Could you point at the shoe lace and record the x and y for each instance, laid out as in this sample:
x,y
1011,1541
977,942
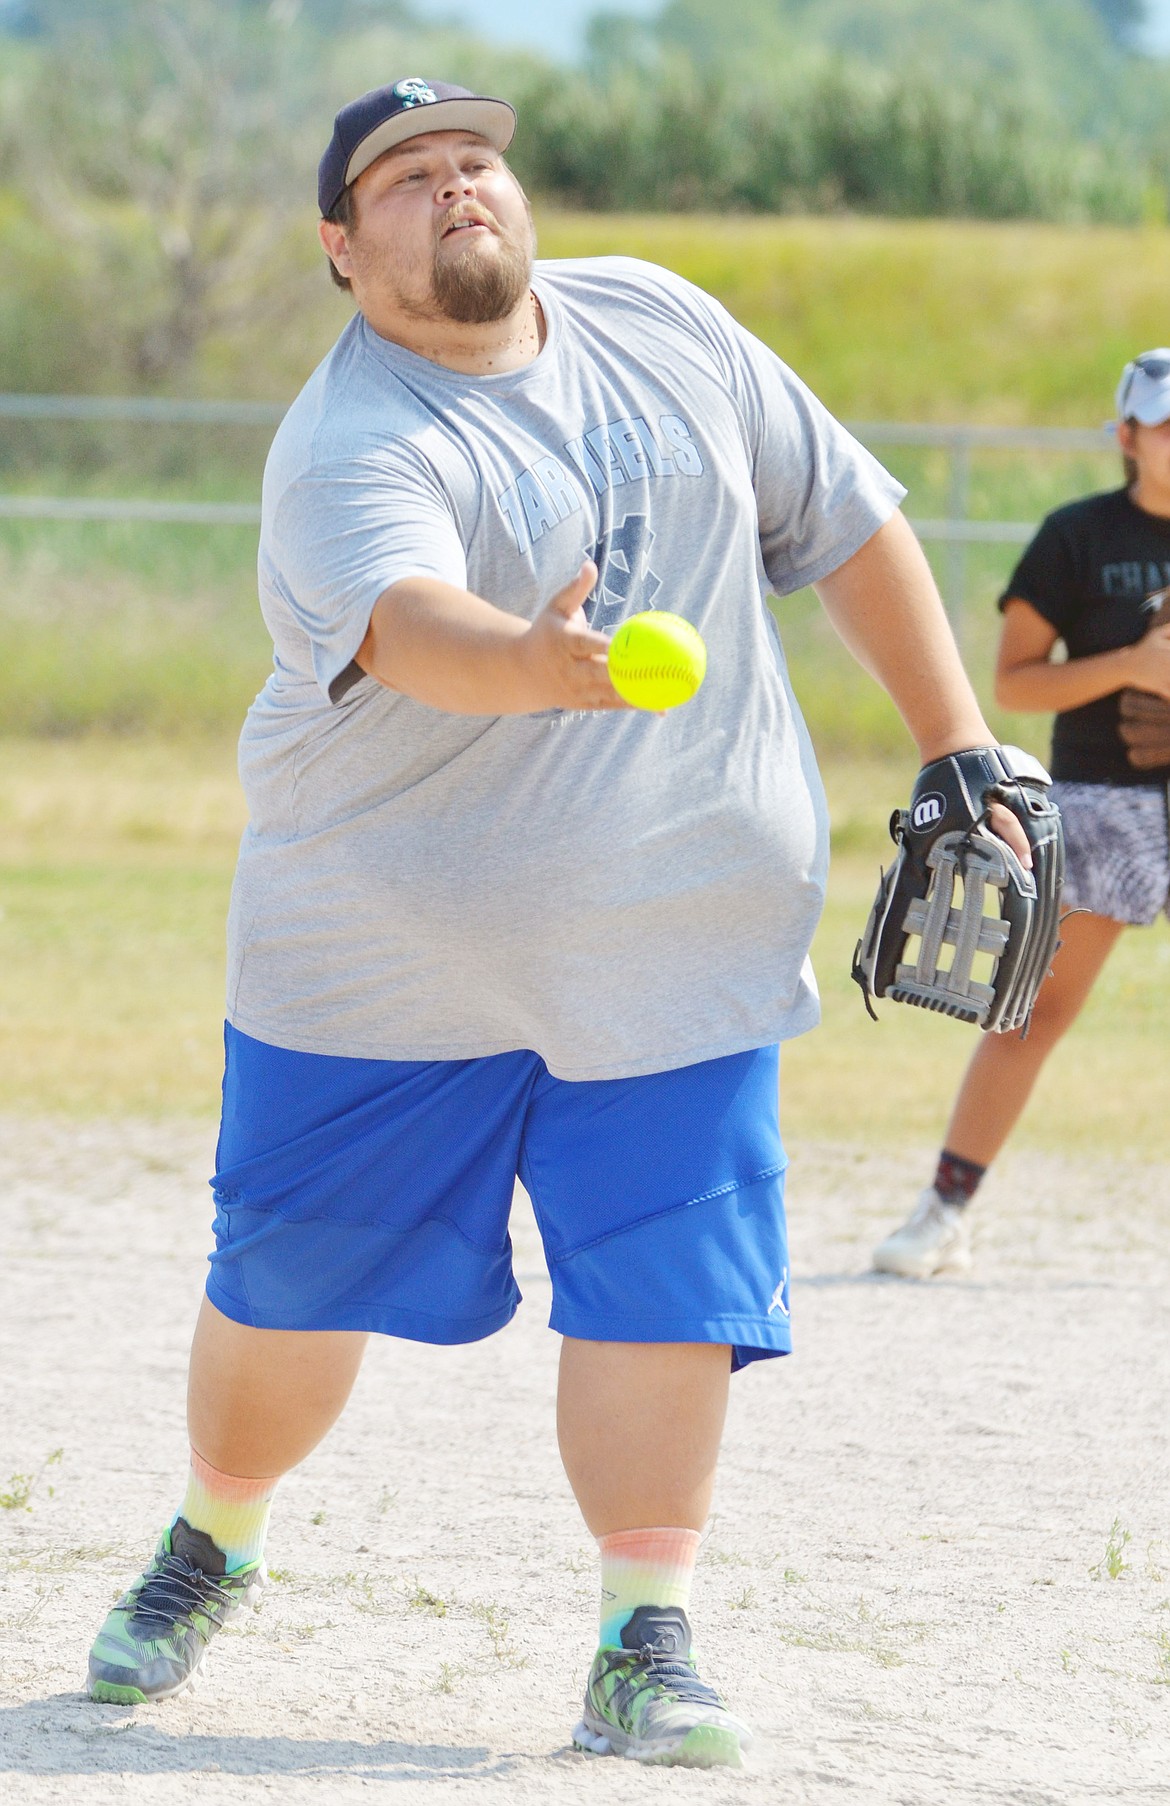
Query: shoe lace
x,y
649,1667
174,1589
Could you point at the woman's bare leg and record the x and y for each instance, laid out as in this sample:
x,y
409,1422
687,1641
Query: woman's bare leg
x,y
999,1080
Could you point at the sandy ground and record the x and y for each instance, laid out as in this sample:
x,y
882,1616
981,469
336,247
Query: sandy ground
x,y
939,1570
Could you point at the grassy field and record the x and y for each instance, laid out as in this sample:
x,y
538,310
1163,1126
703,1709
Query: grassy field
x,y
114,877
943,320
938,320
155,629
142,628
115,866
128,654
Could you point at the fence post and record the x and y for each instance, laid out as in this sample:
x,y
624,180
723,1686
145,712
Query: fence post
x,y
955,586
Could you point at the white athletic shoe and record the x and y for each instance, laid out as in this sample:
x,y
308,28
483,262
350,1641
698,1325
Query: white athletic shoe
x,y
936,1238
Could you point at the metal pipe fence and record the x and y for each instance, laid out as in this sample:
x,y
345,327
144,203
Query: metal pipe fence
x,y
956,531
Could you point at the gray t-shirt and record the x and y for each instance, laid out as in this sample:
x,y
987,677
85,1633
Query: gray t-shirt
x,y
620,892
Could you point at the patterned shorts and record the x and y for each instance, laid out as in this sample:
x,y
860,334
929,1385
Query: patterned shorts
x,y
1117,849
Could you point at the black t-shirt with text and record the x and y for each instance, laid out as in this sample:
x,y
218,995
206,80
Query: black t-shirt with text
x,y
1090,572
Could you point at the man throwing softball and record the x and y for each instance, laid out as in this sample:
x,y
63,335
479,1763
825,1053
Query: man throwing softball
x,y
488,921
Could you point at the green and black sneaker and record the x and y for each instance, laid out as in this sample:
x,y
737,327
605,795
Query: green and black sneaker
x,y
645,1700
154,1640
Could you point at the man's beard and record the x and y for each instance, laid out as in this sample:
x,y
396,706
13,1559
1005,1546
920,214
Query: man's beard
x,y
475,290
472,288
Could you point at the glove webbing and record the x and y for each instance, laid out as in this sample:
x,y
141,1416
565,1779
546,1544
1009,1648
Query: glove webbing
x,y
967,929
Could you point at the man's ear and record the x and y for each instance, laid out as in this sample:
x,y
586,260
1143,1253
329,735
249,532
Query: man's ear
x,y
1126,439
334,245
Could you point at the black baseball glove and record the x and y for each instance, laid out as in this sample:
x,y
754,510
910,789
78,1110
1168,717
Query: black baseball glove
x,y
1144,719
1004,912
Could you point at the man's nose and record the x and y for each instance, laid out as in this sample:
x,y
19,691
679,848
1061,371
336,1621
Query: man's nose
x,y
457,187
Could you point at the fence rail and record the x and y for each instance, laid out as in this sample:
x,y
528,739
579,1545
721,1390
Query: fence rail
x,y
956,530
170,514
167,410
247,514
163,410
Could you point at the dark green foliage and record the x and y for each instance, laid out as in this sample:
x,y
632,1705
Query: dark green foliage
x,y
1064,61
834,137
160,218
169,183
985,108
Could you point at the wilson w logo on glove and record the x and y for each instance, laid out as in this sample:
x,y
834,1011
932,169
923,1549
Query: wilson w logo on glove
x,y
961,892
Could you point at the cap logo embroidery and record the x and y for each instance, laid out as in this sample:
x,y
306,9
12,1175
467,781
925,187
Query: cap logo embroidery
x,y
414,92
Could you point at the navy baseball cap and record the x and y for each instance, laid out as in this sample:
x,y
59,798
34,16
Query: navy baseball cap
x,y
377,121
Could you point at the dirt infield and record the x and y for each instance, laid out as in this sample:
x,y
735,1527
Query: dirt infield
x,y
939,1570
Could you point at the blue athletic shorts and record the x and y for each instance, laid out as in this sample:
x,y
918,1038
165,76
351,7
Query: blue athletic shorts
x,y
375,1195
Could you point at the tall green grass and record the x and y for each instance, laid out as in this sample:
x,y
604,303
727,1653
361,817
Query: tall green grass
x,y
929,320
135,627
142,628
128,629
129,653
943,320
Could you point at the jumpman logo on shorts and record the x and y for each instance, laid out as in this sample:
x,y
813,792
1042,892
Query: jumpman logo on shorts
x,y
780,1297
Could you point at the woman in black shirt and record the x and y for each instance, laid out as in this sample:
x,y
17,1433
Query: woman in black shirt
x,y
1093,578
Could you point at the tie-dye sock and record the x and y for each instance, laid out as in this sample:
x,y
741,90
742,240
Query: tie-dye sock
x,y
643,1567
233,1512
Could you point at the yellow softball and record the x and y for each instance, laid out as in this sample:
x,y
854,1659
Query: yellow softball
x,y
656,660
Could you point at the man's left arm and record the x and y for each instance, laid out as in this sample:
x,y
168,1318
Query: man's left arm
x,y
828,517
884,604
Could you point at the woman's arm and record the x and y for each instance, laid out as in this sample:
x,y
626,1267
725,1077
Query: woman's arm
x,y
1026,679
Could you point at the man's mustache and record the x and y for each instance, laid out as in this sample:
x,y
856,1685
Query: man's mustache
x,y
467,210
